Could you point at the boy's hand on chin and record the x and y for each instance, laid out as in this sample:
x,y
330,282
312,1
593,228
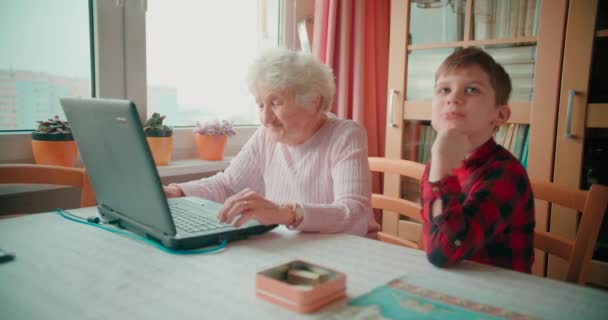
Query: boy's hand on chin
x,y
448,151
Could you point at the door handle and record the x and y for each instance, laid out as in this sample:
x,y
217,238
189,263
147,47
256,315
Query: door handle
x,y
389,109
571,94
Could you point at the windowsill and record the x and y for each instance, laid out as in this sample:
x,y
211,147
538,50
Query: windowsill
x,y
192,166
186,164
18,145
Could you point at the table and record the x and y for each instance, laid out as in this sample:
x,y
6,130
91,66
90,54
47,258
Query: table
x,y
65,270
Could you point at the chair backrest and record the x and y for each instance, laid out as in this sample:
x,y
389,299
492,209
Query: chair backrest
x,y
55,175
592,205
405,208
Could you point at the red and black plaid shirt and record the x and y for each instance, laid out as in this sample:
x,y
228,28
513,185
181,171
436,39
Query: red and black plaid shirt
x,y
488,212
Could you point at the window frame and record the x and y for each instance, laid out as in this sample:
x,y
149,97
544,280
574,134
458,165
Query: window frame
x,y
118,70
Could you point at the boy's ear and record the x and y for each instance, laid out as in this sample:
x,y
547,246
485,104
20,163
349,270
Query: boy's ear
x,y
502,116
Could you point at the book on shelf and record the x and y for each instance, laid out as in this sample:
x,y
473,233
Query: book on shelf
x,y
524,155
509,135
520,137
516,130
536,14
513,18
513,137
424,142
521,18
502,10
499,135
530,17
483,18
495,19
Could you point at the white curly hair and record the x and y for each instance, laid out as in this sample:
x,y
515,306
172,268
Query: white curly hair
x,y
299,72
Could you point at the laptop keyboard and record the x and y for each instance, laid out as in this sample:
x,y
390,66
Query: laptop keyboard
x,y
194,217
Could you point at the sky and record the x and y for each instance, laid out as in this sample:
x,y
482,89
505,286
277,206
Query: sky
x,y
203,48
61,31
193,45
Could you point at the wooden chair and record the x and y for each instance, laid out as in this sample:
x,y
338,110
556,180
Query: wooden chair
x,y
592,206
406,208
55,175
578,252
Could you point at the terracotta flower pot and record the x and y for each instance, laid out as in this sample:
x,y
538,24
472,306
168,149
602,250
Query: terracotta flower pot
x,y
54,149
161,146
211,147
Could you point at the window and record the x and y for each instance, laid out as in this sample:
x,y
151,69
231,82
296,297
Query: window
x,y
198,53
45,55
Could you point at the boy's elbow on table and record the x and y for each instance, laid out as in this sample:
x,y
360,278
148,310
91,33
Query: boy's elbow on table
x,y
440,260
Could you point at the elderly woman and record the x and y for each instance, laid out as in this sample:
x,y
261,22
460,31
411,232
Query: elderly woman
x,y
303,168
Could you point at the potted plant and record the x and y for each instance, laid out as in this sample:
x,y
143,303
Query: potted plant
x,y
211,138
53,143
160,139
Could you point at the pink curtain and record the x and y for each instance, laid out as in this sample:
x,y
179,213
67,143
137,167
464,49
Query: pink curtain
x,y
352,36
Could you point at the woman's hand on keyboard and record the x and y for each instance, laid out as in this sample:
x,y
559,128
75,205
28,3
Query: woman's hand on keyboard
x,y
248,205
173,191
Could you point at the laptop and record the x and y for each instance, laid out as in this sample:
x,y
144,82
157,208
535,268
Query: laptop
x,y
127,186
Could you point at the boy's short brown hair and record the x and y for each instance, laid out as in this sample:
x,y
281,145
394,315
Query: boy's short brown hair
x,y
473,56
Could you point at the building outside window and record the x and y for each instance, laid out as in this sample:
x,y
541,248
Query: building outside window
x,y
186,59
197,54
45,55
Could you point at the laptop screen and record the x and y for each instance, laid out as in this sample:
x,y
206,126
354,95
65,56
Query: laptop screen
x,y
115,153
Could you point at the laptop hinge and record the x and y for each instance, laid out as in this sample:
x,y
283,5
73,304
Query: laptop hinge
x,y
105,217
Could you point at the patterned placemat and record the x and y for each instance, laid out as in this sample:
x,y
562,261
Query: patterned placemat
x,y
402,300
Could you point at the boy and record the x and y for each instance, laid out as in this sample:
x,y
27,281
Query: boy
x,y
477,202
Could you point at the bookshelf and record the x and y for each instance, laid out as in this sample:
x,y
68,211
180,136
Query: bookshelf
x,y
580,159
526,36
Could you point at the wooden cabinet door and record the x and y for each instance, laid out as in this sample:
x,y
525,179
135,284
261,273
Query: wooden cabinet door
x,y
576,114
